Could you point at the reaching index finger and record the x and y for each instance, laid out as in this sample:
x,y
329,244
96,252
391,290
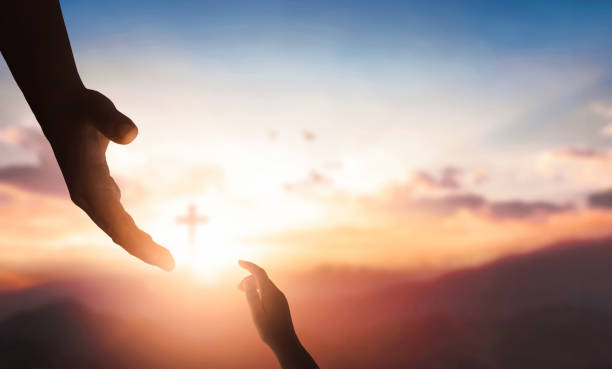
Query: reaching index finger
x,y
266,286
102,205
93,190
257,271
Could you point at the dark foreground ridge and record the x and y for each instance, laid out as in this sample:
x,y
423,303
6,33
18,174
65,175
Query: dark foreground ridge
x,y
546,309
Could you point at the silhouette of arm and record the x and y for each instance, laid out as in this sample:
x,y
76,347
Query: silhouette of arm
x,y
271,315
78,122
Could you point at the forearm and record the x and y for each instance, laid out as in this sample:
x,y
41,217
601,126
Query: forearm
x,y
35,45
293,355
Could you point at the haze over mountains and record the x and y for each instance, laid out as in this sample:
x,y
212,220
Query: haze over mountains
x,y
547,309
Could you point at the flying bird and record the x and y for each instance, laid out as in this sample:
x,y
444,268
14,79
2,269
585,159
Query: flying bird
x,y
309,135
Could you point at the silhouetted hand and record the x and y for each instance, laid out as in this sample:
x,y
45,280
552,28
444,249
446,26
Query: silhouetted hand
x,y
79,129
271,315
78,122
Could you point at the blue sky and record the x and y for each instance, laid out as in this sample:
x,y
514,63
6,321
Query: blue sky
x,y
516,96
557,26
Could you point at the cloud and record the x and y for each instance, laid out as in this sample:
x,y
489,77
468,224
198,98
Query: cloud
x,y
426,192
580,153
524,209
601,199
448,179
478,177
607,130
402,198
314,180
45,176
451,203
601,109
512,209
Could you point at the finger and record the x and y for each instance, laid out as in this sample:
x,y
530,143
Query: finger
x,y
257,271
108,213
266,285
248,284
253,298
92,189
242,285
108,120
116,127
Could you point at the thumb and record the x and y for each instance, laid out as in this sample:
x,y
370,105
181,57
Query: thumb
x,y
249,286
116,127
108,120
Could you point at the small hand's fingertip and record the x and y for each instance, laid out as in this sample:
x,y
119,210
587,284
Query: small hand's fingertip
x,y
247,283
243,263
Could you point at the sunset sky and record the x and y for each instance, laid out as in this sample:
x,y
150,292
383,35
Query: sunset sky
x,y
391,135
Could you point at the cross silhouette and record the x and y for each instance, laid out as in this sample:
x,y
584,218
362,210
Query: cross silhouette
x,y
192,219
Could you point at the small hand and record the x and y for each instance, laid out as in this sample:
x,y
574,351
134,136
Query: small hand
x,y
79,128
269,307
270,311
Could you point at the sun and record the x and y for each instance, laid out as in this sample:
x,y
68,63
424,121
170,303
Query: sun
x,y
216,250
209,260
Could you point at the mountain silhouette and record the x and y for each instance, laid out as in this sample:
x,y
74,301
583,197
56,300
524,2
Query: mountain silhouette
x,y
550,308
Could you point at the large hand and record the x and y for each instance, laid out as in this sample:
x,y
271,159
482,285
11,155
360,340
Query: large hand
x,y
270,311
79,128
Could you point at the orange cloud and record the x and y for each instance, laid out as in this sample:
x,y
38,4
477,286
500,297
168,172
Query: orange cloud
x,y
402,198
448,179
602,199
35,219
580,153
607,130
437,243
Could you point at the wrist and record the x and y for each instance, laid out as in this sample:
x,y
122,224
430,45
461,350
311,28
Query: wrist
x,y
285,345
291,354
